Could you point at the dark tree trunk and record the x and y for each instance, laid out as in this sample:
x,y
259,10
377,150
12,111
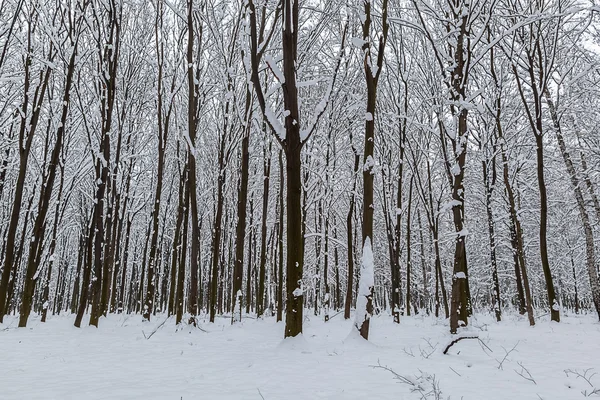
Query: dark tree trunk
x,y
372,74
177,248
240,234
163,131
349,235
537,85
489,183
408,249
583,213
27,130
192,126
183,252
250,260
216,241
263,232
280,236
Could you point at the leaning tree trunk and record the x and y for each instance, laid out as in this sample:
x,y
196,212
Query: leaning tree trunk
x,y
26,133
583,213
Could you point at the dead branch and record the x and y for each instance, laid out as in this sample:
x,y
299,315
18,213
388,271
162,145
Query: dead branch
x,y
458,339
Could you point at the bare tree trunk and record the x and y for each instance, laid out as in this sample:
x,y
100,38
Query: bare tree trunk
x,y
349,234
425,298
216,241
516,233
583,213
26,133
52,249
460,301
263,232
108,63
538,75
408,249
179,301
192,127
364,308
250,260
489,184
163,132
280,235
240,235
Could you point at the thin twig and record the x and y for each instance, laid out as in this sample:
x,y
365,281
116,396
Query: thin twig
x,y
523,372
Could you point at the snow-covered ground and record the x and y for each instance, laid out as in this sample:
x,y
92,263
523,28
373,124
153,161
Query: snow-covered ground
x,y
251,361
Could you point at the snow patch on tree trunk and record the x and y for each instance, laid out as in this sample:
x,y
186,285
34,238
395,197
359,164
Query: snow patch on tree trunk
x,y
237,309
364,307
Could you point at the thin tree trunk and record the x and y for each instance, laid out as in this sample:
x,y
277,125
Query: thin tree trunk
x,y
280,235
583,213
263,232
408,249
240,235
349,234
26,133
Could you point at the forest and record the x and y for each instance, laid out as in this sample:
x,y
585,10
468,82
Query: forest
x,y
193,161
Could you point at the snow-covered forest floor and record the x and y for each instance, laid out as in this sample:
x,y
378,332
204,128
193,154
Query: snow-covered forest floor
x,y
124,359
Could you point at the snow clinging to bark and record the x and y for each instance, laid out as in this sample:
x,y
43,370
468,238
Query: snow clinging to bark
x,y
366,283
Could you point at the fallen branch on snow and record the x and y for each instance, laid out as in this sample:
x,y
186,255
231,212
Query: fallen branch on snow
x,y
458,339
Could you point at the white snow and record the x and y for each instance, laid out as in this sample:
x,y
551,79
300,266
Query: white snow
x,y
358,42
55,360
366,283
369,164
272,118
276,71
